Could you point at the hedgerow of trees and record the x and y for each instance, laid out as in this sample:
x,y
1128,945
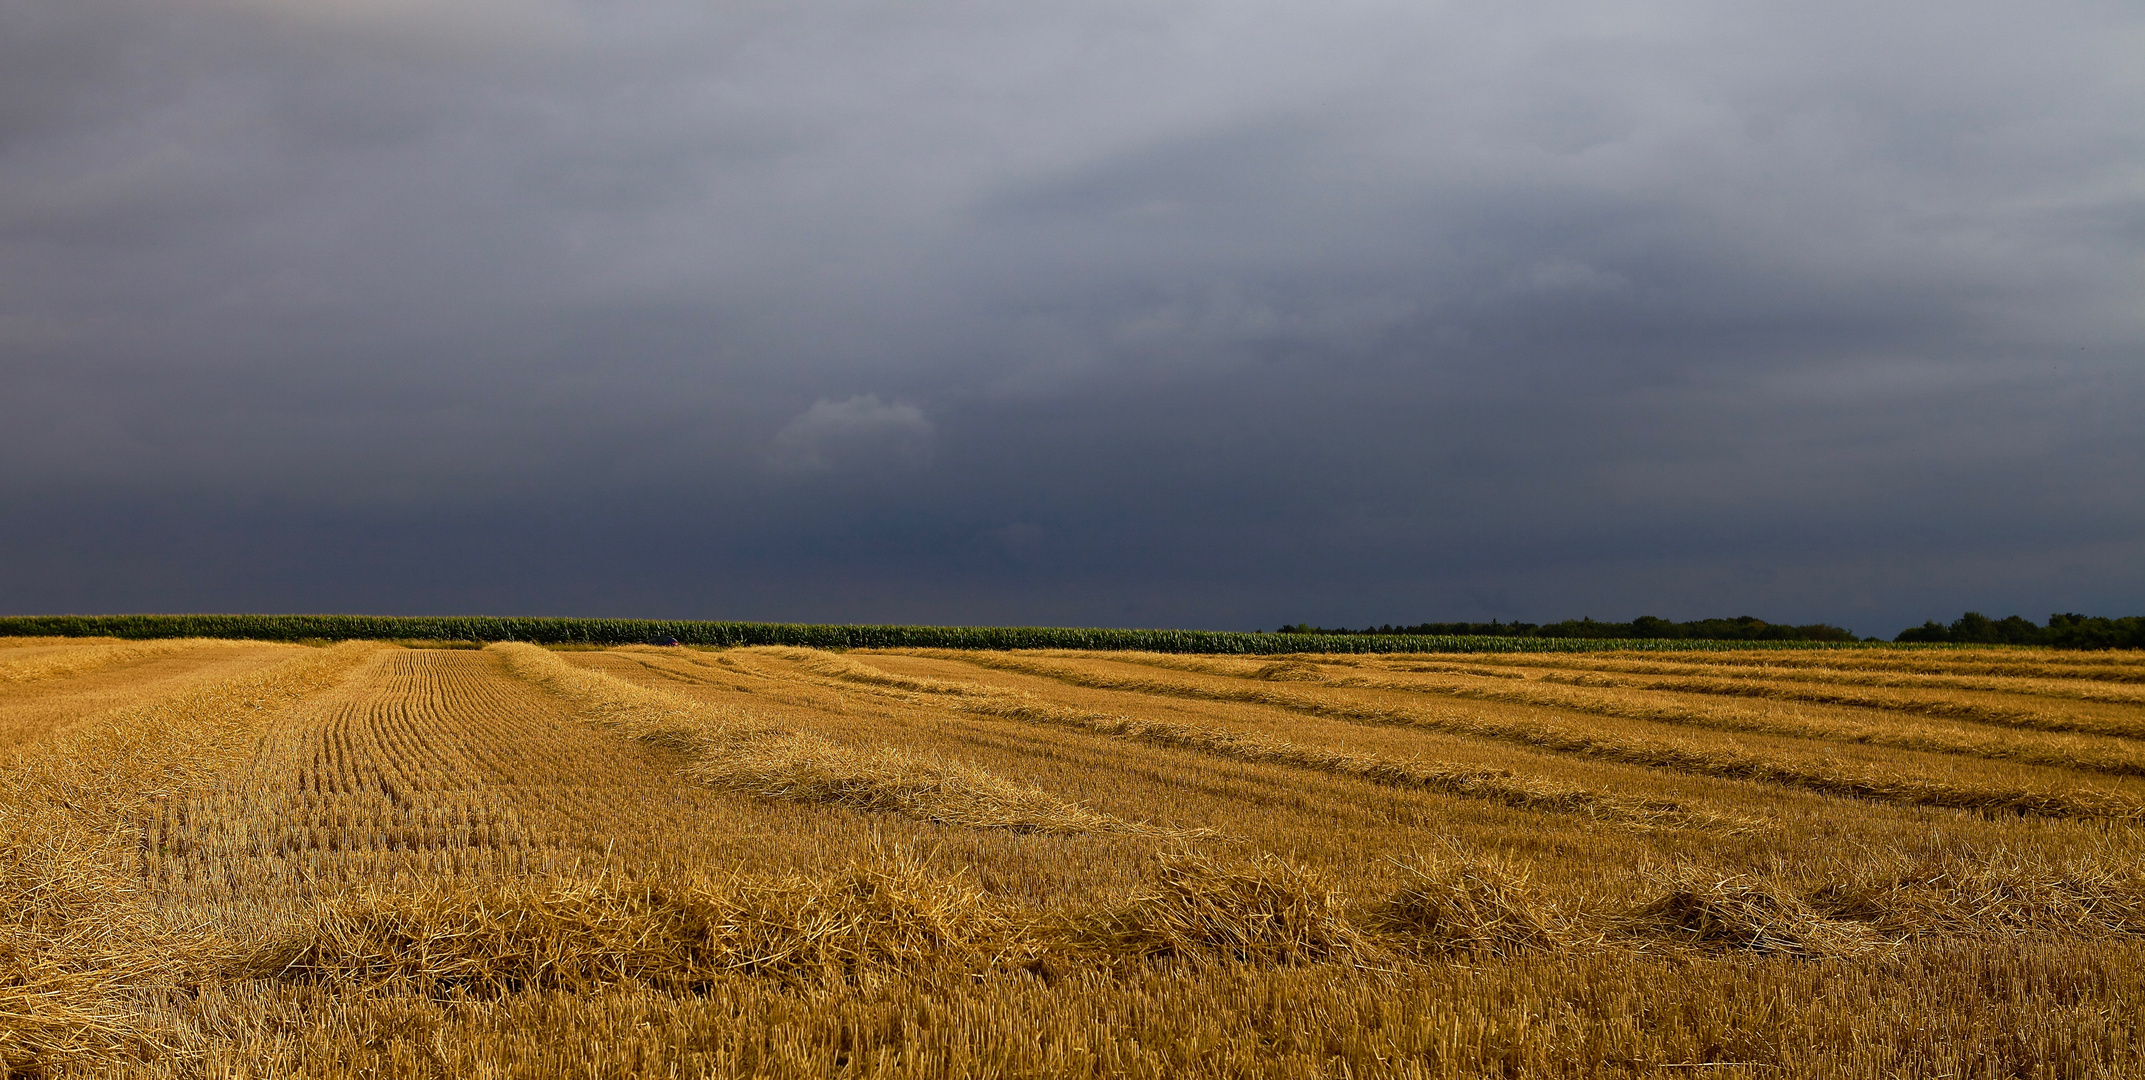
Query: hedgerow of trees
x,y
2064,631
1743,628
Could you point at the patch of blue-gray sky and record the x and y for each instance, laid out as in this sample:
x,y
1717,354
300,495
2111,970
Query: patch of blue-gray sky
x,y
1149,313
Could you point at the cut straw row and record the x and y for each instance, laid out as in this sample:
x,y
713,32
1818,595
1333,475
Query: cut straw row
x,y
1992,746
1448,778
892,918
1898,788
729,750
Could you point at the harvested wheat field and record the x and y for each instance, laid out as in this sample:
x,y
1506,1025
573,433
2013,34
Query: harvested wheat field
x,y
239,859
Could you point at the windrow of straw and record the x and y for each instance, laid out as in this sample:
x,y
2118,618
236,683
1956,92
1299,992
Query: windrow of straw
x,y
892,919
1973,712
17,642
1919,670
1500,786
856,927
869,923
1482,908
2058,687
1897,788
1992,895
75,939
801,767
1986,745
1710,911
729,750
1886,901
849,670
1266,911
1462,669
2121,666
85,658
73,944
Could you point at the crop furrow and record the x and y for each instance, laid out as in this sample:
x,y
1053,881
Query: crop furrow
x,y
2120,761
1899,789
1500,786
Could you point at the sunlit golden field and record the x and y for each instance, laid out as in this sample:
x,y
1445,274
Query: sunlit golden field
x,y
234,859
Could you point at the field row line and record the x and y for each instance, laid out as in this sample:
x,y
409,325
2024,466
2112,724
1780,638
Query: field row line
x,y
874,920
2021,687
1919,669
1990,747
1500,786
728,750
1995,715
1865,784
83,659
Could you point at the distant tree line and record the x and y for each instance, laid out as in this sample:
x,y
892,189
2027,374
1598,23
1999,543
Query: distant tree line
x,y
321,628
2065,631
1571,635
1645,627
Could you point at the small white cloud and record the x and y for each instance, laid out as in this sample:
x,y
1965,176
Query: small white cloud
x,y
862,432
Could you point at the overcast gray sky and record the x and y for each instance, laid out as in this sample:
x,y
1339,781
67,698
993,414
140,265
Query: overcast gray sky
x,y
1215,313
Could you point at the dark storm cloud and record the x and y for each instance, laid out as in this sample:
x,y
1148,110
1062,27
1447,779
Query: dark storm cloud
x,y
1164,313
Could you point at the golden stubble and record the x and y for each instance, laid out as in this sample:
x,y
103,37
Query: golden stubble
x,y
781,862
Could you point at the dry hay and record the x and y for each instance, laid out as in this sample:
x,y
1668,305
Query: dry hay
x,y
75,942
1289,671
806,768
1448,778
142,754
1993,895
1477,906
1710,911
1878,784
1943,942
85,658
868,923
827,664
1263,911
79,946
731,750
71,948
